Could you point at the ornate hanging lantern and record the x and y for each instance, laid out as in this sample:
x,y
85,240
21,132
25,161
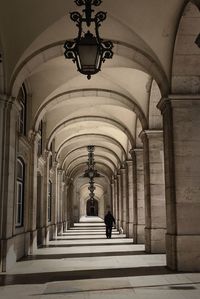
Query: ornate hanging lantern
x,y
88,50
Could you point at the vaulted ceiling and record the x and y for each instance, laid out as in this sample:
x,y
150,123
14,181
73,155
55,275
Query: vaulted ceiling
x,y
112,108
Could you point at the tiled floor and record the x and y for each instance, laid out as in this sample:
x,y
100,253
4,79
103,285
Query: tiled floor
x,y
84,264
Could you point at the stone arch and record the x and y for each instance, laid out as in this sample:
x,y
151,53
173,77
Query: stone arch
x,y
91,118
186,57
129,103
96,156
44,54
70,173
101,136
83,147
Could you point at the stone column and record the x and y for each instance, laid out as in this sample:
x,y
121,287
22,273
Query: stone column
x,y
119,205
131,199
32,213
124,184
139,219
67,211
55,199
59,201
155,209
182,172
115,199
113,195
9,112
45,197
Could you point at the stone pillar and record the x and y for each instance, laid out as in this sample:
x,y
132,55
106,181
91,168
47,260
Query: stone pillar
x,y
32,213
182,172
55,199
59,201
139,219
131,199
116,200
155,209
9,112
124,183
112,196
45,197
119,205
67,208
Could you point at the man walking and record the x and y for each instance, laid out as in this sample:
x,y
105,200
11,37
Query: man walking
x,y
109,220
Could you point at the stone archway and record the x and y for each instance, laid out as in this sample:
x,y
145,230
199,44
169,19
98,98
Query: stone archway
x,y
92,208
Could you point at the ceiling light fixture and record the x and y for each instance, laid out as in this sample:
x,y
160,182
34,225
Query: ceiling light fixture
x,y
88,50
91,172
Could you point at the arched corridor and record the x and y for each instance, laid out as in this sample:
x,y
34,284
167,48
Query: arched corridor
x,y
125,141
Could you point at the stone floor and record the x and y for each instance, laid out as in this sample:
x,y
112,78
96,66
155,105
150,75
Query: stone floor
x,y
83,264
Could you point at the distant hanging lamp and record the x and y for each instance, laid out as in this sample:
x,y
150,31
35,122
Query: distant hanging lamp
x,y
88,50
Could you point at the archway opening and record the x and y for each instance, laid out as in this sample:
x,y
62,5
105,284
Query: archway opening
x,y
92,207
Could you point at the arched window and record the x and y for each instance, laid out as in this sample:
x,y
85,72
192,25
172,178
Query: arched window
x,y
22,97
20,193
49,200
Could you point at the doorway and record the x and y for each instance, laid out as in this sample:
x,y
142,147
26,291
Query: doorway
x,y
92,207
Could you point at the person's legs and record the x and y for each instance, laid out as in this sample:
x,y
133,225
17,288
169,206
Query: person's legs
x,y
110,232
107,231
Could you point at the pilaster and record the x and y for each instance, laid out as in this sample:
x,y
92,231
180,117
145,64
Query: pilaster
x,y
119,202
131,199
155,209
9,111
139,219
124,203
46,192
115,198
182,159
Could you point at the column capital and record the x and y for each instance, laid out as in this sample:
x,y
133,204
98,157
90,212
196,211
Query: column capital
x,y
123,165
60,171
33,136
178,101
129,162
123,170
138,150
151,134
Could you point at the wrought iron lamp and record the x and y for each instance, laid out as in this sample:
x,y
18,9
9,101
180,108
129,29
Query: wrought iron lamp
x,y
91,172
88,50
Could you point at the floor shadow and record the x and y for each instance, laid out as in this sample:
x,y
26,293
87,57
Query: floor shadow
x,y
41,278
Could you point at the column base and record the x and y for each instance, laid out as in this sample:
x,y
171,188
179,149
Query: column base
x,y
155,240
31,241
183,252
40,236
130,230
60,229
47,235
138,233
124,226
55,231
119,223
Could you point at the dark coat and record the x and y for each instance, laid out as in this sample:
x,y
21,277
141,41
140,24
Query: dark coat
x,y
109,220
